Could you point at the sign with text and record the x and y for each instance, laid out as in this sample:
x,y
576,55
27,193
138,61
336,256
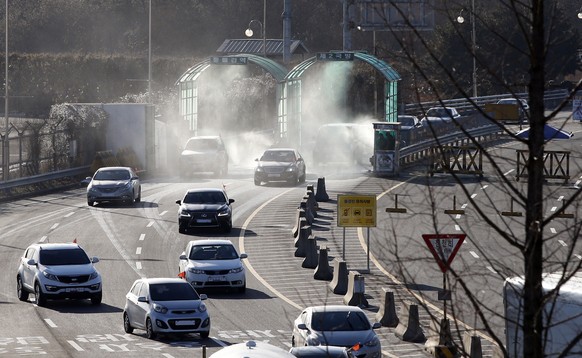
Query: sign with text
x,y
227,60
444,247
356,210
335,56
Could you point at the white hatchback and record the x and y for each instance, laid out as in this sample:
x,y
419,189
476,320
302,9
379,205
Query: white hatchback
x,y
213,263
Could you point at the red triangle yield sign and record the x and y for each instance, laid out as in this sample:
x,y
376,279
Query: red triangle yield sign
x,y
444,247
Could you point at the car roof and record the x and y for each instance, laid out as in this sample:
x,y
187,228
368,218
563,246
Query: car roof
x,y
334,308
113,168
204,190
205,137
280,150
57,246
252,349
211,242
156,280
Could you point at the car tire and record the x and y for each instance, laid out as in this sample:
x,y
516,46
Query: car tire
x,y
90,202
150,333
257,182
292,341
204,335
21,291
294,180
138,199
302,178
126,324
182,230
39,297
97,298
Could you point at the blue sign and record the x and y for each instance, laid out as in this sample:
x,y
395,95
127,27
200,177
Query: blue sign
x,y
226,60
335,56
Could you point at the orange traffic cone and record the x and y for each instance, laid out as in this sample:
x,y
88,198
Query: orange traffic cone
x,y
74,241
182,275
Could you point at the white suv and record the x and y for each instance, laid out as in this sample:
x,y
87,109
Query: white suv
x,y
58,271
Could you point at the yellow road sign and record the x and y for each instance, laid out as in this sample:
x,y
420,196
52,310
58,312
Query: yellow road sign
x,y
356,210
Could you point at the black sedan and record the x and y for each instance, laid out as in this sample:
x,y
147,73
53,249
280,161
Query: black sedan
x,y
280,164
205,208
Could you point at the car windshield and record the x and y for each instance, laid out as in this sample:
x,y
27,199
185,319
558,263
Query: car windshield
x,y
339,321
208,197
112,175
507,101
439,112
213,252
200,144
63,257
175,291
278,156
406,121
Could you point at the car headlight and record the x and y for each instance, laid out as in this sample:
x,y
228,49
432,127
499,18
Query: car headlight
x,y
195,271
127,185
202,307
236,270
50,276
373,342
93,275
160,309
184,214
223,212
259,170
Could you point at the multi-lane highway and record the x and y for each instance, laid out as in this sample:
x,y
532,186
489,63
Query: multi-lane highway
x,y
143,241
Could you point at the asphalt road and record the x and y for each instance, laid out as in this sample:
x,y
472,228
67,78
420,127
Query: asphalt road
x,y
143,241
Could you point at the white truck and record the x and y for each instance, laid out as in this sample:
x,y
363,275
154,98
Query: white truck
x,y
562,316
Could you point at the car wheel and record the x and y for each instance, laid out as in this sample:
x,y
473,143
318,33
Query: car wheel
x,y
22,293
138,199
150,333
227,227
90,202
293,180
181,230
302,178
96,298
204,335
292,341
257,182
126,324
39,297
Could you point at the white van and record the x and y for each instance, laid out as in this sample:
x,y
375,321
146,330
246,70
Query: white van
x,y
565,310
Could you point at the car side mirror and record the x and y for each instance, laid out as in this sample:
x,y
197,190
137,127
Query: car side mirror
x,y
179,202
203,296
302,326
256,159
230,201
183,257
142,299
86,181
31,262
376,325
243,256
95,259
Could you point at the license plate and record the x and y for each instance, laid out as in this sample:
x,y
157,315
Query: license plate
x,y
274,175
215,278
74,289
203,221
185,323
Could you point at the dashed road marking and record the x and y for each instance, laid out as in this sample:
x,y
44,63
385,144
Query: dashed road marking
x,y
138,251
141,237
76,346
55,225
50,322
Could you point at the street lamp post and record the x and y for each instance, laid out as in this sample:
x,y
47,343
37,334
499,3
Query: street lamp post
x,y
5,151
460,20
249,33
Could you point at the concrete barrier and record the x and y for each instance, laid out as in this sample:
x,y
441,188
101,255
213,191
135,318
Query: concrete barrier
x,y
409,328
321,194
312,203
300,214
355,295
310,260
439,335
301,249
387,312
308,213
302,223
472,344
339,282
323,270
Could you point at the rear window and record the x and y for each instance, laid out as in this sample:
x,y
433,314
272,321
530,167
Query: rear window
x,y
175,291
63,257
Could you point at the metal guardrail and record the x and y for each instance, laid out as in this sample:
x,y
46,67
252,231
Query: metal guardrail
x,y
36,179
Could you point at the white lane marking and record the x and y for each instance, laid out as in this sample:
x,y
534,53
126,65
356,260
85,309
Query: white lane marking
x,y
163,212
138,265
509,172
150,224
141,237
76,346
218,341
167,355
457,227
70,214
55,225
554,208
561,198
474,254
138,251
491,269
553,230
458,216
42,239
464,206
484,187
578,256
50,323
473,196
563,243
